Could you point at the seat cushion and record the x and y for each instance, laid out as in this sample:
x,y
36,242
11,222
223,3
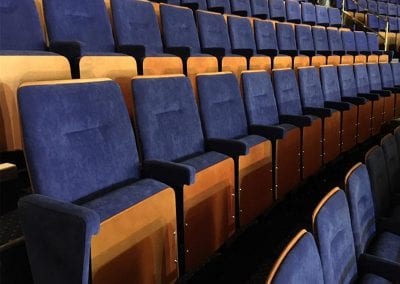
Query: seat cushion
x,y
386,246
251,140
204,160
373,279
117,200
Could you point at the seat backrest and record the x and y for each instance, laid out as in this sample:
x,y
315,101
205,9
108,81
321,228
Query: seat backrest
x,y
392,157
372,22
179,28
308,13
259,98
20,26
221,106
374,76
361,41
392,9
224,5
201,4
79,21
377,170
76,137
293,11
286,37
277,10
299,262
265,35
373,43
322,15
393,24
310,87
335,18
135,23
241,6
320,39
362,6
304,38
382,8
396,73
259,8
362,78
334,39
350,6
330,83
372,7
213,31
382,24
287,92
386,75
334,237
241,33
347,81
167,118
361,205
349,43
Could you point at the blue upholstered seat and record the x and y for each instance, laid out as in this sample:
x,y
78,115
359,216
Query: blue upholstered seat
x,y
304,40
293,11
277,10
330,83
392,157
386,76
362,6
241,34
350,6
382,8
320,40
373,43
392,9
220,6
361,42
349,43
393,24
265,37
373,22
308,15
372,7
322,15
335,18
286,39
396,73
335,41
241,7
259,9
348,85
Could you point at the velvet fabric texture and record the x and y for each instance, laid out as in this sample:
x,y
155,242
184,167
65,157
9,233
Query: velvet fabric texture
x,y
396,73
293,11
277,10
287,92
310,88
382,8
304,39
392,157
86,22
334,40
335,18
373,44
372,6
286,37
386,75
350,6
382,24
179,28
224,4
265,36
330,83
259,8
349,43
392,9
373,22
241,7
374,76
322,15
362,79
320,39
135,23
20,26
361,42
333,234
348,85
308,13
302,264
241,34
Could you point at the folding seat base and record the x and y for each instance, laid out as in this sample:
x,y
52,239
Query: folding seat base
x,y
118,68
138,245
255,179
388,108
364,122
209,212
349,129
162,65
260,63
331,137
333,60
318,60
288,162
197,65
377,116
312,148
282,61
234,64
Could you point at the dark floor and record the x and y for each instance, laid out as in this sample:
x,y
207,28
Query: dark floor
x,y
245,259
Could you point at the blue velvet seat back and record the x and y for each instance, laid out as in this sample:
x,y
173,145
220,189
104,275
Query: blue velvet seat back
x,y
386,75
167,118
265,35
372,22
202,4
221,106
334,236
302,264
350,5
334,39
310,87
20,26
361,41
213,31
287,92
286,37
335,18
362,5
372,7
277,9
135,23
373,43
220,3
374,76
308,13
242,6
382,8
86,21
241,33
349,43
304,38
359,195
293,11
259,98
78,138
330,83
362,79
320,39
392,157
382,24
259,7
347,81
322,15
393,25
396,73
392,9
179,28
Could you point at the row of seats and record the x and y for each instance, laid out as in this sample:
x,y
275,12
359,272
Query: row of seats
x,y
221,165
373,7
355,238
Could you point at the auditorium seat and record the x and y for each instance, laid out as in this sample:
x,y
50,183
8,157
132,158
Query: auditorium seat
x,y
173,151
382,8
373,45
219,6
243,43
350,6
23,57
336,46
321,45
259,9
348,90
392,157
241,8
322,15
372,22
308,15
293,11
183,40
277,10
349,47
334,237
361,40
93,212
386,203
305,44
335,18
349,121
363,88
214,38
267,43
226,131
263,120
372,7
299,261
290,111
313,103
